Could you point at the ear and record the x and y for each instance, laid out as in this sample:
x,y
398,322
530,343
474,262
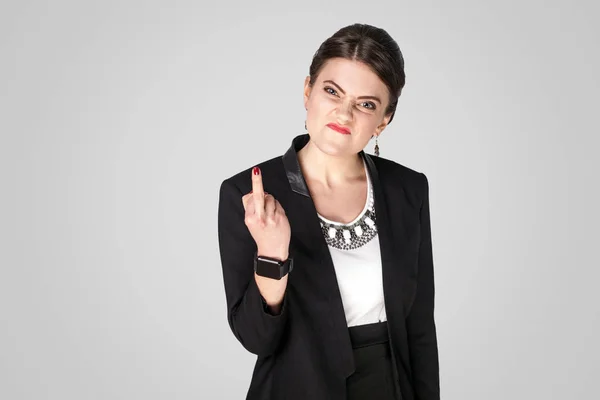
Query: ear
x,y
383,124
307,90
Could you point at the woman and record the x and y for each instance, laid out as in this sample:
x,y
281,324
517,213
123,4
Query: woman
x,y
326,251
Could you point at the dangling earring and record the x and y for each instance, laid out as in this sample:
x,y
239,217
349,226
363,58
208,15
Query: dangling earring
x,y
376,146
305,125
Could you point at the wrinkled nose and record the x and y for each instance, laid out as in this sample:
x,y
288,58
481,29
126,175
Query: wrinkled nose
x,y
344,114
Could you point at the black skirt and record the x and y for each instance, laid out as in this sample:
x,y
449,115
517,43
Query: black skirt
x,y
373,378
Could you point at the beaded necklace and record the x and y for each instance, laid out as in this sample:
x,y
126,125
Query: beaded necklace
x,y
355,234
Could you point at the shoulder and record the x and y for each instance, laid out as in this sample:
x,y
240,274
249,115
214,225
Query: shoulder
x,y
394,174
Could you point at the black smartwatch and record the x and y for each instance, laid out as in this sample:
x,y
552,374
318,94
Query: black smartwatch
x,y
272,267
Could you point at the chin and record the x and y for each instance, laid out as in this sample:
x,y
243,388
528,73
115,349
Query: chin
x,y
335,146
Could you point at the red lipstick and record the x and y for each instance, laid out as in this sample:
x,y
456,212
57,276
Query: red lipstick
x,y
338,128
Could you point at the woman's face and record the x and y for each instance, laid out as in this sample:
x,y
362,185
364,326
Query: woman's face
x,y
349,94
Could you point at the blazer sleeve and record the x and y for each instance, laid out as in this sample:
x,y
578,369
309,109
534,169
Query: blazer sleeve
x,y
253,325
422,340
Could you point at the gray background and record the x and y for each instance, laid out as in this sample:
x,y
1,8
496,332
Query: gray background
x,y
120,119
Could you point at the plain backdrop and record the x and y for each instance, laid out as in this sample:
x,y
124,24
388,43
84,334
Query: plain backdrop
x,y
120,119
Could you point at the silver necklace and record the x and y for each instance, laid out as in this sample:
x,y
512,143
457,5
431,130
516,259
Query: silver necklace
x,y
355,235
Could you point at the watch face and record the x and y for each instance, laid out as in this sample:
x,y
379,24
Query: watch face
x,y
268,268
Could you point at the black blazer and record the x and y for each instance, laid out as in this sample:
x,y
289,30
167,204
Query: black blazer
x,y
305,351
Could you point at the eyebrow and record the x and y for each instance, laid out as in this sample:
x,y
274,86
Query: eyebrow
x,y
359,97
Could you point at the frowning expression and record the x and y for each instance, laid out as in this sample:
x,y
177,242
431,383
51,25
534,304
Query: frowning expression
x,y
345,106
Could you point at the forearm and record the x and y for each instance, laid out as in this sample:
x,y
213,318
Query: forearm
x,y
423,349
420,324
257,324
272,290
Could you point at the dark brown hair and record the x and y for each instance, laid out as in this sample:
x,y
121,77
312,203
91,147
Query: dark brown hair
x,y
370,45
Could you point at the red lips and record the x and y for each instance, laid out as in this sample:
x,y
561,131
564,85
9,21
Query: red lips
x,y
338,128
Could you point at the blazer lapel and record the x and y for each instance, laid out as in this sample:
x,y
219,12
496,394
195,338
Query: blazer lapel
x,y
398,263
308,239
396,258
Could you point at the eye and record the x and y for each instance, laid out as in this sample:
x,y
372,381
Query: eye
x,y
371,106
327,89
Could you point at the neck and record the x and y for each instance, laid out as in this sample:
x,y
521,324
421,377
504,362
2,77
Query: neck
x,y
330,171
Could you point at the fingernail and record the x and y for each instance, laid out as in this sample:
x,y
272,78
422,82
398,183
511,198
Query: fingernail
x,y
256,170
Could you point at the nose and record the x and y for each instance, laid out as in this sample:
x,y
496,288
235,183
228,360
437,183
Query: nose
x,y
344,113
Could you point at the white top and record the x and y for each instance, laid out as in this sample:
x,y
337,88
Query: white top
x,y
358,269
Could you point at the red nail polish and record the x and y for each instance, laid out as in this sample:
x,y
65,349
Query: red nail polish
x,y
256,170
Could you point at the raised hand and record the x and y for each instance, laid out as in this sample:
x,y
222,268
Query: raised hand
x,y
270,229
266,220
